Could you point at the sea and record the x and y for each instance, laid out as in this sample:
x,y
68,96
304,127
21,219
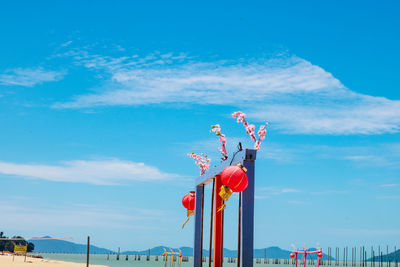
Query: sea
x,y
111,261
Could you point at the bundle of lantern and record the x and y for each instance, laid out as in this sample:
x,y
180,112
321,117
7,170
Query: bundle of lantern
x,y
234,179
188,202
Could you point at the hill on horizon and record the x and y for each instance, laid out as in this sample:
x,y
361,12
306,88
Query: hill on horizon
x,y
62,246
391,257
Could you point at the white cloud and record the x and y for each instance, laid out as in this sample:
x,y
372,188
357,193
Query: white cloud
x,y
291,93
75,216
29,77
389,185
266,192
296,202
102,172
366,232
377,155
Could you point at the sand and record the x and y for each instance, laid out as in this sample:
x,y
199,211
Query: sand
x,y
7,261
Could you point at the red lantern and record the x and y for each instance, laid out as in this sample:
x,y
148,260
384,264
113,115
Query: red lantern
x,y
292,255
320,255
235,178
188,201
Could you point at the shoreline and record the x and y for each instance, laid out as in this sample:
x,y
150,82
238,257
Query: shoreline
x,y
7,261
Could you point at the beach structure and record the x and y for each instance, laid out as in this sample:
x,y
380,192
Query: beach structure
x,y
245,158
173,256
294,255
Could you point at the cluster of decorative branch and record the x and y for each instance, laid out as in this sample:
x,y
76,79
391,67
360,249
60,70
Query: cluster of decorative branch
x,y
222,138
202,161
250,129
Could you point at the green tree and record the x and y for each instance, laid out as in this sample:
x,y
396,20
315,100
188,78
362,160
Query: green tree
x,y
8,245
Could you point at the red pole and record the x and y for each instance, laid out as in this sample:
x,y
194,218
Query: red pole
x,y
217,261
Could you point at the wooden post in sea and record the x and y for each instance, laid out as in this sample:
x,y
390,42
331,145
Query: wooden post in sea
x,y
387,257
363,256
87,251
379,253
118,254
372,256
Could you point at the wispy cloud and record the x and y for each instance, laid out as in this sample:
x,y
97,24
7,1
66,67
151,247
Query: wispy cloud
x,y
366,232
294,95
383,155
102,172
29,76
75,216
296,202
266,192
389,185
389,197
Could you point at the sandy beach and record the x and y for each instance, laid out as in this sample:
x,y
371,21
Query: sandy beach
x,y
7,261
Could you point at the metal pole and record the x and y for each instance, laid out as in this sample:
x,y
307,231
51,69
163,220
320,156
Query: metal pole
x,y
201,229
240,228
217,259
87,251
247,240
211,223
198,245
222,235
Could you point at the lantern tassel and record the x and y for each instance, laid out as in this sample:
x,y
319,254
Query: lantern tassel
x,y
183,225
225,193
188,214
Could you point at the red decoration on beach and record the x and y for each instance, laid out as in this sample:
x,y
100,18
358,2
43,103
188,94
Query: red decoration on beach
x,y
292,255
235,178
320,255
188,201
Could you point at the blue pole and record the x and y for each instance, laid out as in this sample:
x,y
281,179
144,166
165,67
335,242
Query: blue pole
x,y
198,227
247,231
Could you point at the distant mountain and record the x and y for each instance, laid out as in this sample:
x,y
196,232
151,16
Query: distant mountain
x,y
62,246
390,257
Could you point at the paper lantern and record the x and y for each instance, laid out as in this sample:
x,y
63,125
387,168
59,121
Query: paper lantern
x,y
292,255
235,178
320,255
188,201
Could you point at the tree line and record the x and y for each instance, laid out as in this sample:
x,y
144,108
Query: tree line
x,y
8,245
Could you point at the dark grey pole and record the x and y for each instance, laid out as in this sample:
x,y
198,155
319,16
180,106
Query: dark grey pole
x,y
87,251
198,245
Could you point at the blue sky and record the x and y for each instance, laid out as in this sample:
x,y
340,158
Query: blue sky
x,y
100,103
